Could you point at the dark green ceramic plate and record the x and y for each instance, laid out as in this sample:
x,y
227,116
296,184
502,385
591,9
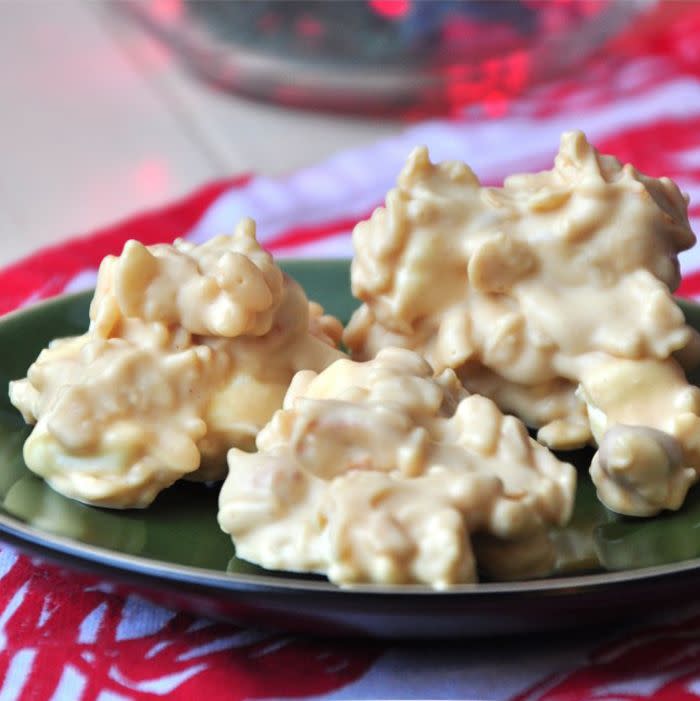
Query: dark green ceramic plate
x,y
174,552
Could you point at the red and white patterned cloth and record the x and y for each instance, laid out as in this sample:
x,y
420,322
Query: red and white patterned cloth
x,y
69,637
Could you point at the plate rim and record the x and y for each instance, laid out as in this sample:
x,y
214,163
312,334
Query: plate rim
x,y
86,553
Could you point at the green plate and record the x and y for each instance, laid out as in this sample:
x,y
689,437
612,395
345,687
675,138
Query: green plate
x,y
174,552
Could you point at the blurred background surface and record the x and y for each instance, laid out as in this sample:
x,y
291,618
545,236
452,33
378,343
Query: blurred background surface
x,y
109,108
100,120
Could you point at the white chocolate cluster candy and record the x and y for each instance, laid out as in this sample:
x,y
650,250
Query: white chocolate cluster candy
x,y
526,291
143,398
381,472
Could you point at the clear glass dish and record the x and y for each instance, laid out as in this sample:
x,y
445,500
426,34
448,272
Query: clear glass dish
x,y
384,56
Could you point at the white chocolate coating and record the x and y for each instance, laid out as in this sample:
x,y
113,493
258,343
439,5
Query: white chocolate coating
x,y
529,290
380,472
140,400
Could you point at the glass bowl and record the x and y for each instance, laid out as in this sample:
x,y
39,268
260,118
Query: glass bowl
x,y
385,56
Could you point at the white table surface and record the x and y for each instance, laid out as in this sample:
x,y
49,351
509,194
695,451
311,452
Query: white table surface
x,y
98,121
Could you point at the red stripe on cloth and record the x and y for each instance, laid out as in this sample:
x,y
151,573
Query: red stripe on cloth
x,y
690,285
46,272
658,148
308,234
